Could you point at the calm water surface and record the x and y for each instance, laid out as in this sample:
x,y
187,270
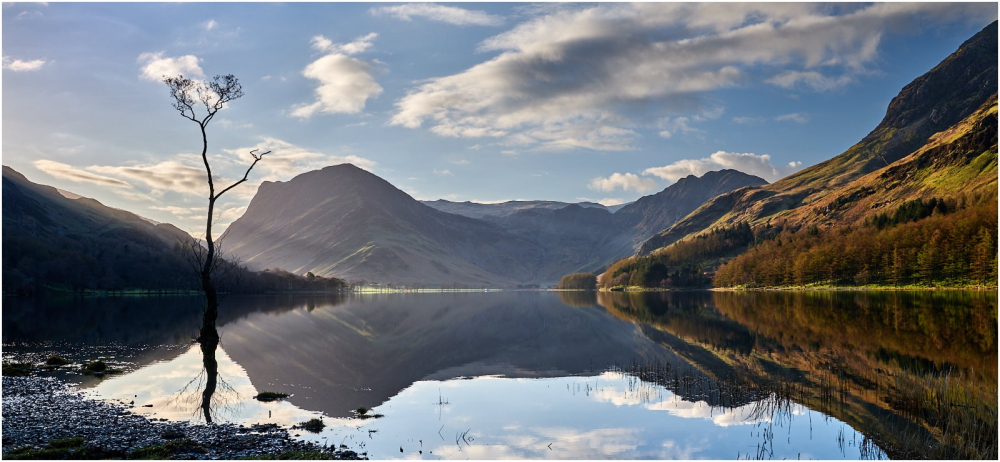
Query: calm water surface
x,y
536,374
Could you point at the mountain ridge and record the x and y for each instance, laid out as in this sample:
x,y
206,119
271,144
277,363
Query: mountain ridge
x,y
349,223
908,125
79,243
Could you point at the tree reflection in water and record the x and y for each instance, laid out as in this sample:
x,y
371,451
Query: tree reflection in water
x,y
207,393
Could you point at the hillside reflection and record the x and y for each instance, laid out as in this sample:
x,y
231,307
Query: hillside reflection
x,y
888,363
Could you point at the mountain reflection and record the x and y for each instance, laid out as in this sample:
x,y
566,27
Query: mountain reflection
x,y
366,349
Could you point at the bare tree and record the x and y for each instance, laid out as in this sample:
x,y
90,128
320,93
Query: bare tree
x,y
189,96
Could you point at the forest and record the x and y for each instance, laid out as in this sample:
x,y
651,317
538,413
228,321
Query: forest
x,y
78,264
681,264
932,243
578,281
924,242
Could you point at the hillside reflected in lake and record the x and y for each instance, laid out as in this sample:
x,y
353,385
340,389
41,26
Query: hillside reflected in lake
x,y
626,362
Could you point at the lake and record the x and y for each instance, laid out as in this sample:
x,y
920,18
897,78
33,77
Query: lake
x,y
560,375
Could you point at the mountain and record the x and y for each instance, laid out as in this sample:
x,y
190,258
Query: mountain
x,y
345,222
938,101
502,209
650,215
78,243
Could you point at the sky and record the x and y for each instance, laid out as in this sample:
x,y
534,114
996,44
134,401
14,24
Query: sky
x,y
483,102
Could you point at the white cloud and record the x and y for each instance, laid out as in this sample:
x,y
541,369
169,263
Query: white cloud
x,y
444,172
18,65
610,201
155,66
210,24
345,83
68,172
796,117
682,168
577,77
442,13
359,45
288,160
625,182
745,162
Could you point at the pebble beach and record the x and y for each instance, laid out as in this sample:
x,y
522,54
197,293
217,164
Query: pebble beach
x,y
38,410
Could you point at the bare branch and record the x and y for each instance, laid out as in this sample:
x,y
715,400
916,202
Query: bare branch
x,y
256,158
180,90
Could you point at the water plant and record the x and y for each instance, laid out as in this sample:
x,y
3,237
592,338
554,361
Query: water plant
x,y
298,455
16,369
270,396
169,450
363,413
56,360
312,425
97,368
68,448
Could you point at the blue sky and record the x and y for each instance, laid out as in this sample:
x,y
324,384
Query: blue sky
x,y
462,101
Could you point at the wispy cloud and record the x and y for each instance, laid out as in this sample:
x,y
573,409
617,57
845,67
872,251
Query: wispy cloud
x,y
744,120
574,77
68,172
441,13
796,117
812,80
181,212
168,175
346,83
444,172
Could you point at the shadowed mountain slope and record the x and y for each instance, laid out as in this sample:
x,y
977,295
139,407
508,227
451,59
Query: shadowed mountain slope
x,y
346,222
52,240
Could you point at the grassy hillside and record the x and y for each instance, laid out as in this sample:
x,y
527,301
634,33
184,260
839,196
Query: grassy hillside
x,y
853,234
938,141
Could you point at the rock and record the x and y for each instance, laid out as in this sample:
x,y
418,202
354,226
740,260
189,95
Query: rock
x,y
39,409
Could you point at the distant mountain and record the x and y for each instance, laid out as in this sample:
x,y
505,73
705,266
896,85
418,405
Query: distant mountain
x,y
650,215
937,101
51,240
345,222
502,209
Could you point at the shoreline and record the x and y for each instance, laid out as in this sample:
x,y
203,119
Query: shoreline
x,y
801,289
45,412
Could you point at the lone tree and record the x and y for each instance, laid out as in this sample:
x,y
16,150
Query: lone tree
x,y
188,96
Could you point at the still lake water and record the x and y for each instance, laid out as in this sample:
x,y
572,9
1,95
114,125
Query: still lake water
x,y
567,375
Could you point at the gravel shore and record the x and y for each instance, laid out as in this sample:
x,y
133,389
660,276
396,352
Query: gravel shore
x,y
37,410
